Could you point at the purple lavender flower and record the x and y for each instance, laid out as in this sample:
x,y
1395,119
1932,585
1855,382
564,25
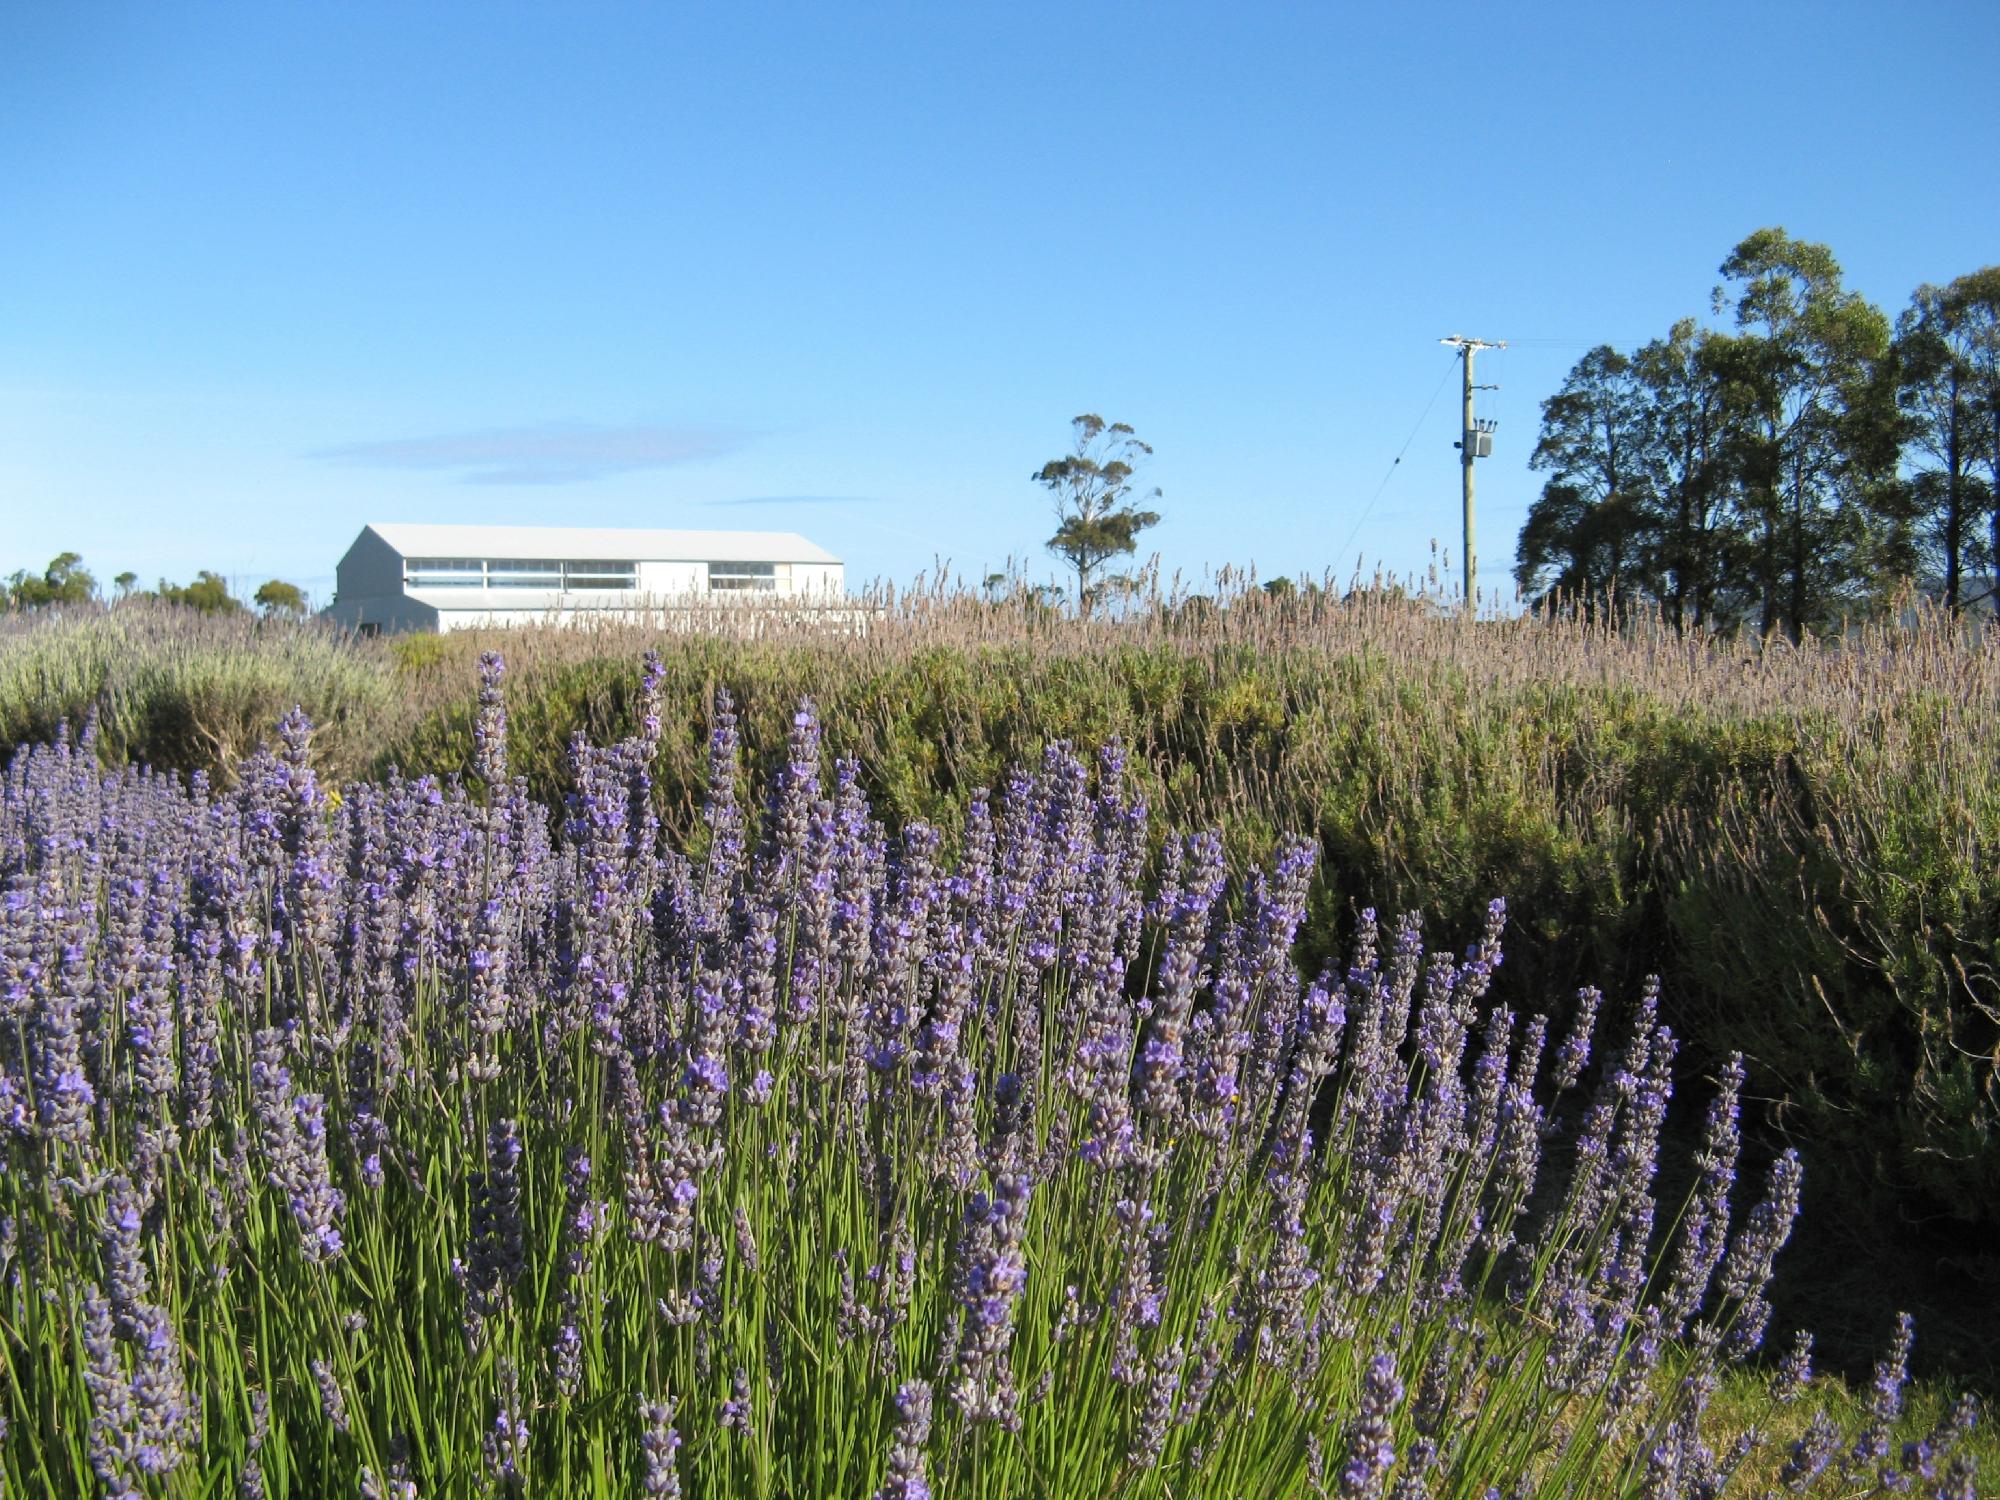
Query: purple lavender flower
x,y
422,957
1155,1416
1960,1480
506,1443
757,968
905,1478
1195,878
1810,1454
149,1013
1276,1320
721,813
498,1255
1574,1053
1746,1270
63,1091
658,1444
250,1483
795,792
582,1216
489,725
489,965
1632,1377
113,1415
292,1132
1370,1437
1871,1450
165,1425
1412,1480
1706,1226
708,1074
332,1399
738,1413
991,1274
1795,1370
127,1280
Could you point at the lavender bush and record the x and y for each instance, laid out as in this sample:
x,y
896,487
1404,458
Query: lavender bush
x,y
408,1140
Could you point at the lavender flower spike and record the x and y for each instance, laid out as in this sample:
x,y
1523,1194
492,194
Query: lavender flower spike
x,y
1370,1447
658,1445
905,1479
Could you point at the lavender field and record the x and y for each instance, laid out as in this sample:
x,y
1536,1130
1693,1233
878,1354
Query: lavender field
x,y
411,1138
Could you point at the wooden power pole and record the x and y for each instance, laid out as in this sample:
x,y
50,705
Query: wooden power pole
x,y
1475,442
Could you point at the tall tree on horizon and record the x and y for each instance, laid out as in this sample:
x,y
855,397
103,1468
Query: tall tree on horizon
x,y
1938,389
279,599
1973,302
1092,486
1688,454
1581,536
1808,354
1641,502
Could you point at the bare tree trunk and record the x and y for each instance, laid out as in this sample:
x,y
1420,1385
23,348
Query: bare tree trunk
x,y
1796,610
1954,505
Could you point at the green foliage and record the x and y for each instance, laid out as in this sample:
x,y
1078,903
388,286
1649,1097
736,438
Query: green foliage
x,y
1798,841
185,691
276,597
1769,877
1752,476
209,593
1947,373
1092,486
1581,536
64,581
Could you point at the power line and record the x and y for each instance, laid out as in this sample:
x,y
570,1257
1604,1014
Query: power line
x,y
1566,343
1390,473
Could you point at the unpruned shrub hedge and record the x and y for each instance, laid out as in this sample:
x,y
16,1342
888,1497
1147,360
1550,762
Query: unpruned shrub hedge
x,y
1797,839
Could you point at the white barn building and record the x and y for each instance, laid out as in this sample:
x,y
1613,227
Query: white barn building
x,y
406,577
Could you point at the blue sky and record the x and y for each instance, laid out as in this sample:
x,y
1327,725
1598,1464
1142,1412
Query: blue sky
x,y
269,271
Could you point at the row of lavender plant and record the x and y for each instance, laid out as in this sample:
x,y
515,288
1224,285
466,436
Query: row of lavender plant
x,y
405,1140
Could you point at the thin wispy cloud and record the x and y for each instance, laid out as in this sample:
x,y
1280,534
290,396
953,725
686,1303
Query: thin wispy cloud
x,y
548,453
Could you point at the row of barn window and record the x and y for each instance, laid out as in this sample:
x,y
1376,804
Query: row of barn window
x,y
565,574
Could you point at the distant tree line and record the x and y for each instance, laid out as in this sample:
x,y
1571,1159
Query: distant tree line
x,y
1796,468
66,581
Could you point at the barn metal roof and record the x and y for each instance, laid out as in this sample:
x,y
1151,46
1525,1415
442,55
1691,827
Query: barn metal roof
x,y
625,544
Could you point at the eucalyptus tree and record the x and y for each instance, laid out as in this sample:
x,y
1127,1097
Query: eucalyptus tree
x,y
64,581
1688,448
1582,538
209,593
279,599
1938,389
1819,445
1093,486
1972,303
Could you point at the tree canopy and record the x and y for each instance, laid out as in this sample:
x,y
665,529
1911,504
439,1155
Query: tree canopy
x,y
67,581
1092,485
1784,472
64,581
276,597
208,593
